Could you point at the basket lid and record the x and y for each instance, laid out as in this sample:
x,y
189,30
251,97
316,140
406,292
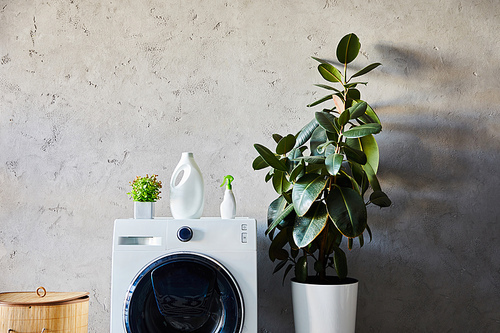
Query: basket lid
x,y
39,297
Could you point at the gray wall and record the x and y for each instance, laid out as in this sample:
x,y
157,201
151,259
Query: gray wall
x,y
93,93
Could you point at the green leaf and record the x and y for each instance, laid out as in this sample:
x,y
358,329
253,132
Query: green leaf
x,y
370,116
340,263
354,84
348,48
367,69
344,117
285,144
333,163
320,60
327,121
296,172
277,137
358,109
269,175
280,183
277,212
306,190
301,269
330,73
270,158
319,101
355,155
372,177
318,138
259,163
347,210
324,86
362,130
276,250
305,133
353,94
311,159
380,199
308,227
368,145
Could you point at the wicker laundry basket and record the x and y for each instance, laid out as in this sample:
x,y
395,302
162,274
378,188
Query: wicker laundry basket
x,y
41,311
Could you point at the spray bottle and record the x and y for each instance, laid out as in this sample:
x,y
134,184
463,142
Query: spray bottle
x,y
228,205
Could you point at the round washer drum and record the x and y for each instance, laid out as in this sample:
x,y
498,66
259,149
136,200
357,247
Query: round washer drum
x,y
184,292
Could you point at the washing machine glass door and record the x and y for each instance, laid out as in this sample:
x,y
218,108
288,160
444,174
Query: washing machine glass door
x,y
184,292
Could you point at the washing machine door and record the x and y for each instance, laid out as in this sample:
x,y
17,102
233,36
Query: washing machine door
x,y
184,292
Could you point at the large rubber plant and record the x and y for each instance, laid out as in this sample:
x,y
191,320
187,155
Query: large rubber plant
x,y
325,176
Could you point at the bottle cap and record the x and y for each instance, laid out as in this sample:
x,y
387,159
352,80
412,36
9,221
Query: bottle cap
x,y
229,179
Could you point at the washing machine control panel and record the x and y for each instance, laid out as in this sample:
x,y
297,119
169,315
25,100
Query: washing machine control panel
x,y
244,233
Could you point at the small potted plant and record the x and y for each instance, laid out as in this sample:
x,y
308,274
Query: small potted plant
x,y
145,192
322,176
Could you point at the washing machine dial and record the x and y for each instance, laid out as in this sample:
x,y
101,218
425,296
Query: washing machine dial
x,y
184,234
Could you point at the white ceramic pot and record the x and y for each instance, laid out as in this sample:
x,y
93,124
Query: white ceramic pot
x,y
144,210
324,308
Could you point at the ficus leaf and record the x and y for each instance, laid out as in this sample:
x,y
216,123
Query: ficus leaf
x,y
370,116
348,48
306,132
277,215
296,171
358,109
324,86
340,263
280,183
333,163
362,130
309,226
285,144
344,117
347,210
355,155
372,177
380,199
306,190
319,101
276,250
327,121
311,159
259,163
277,137
367,69
369,146
301,269
270,158
330,73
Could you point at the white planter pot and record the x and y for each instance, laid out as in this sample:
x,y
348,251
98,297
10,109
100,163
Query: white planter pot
x,y
144,210
324,308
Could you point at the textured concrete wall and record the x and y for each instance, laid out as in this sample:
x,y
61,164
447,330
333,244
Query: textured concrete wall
x,y
93,93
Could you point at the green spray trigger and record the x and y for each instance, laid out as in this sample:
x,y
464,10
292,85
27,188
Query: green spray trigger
x,y
229,179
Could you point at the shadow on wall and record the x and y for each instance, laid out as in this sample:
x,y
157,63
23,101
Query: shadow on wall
x,y
433,265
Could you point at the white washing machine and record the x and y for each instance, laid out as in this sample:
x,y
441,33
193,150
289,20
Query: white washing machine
x,y
174,276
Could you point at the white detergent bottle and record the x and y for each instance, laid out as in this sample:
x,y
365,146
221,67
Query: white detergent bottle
x,y
186,189
228,205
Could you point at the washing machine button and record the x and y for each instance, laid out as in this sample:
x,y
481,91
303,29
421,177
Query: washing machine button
x,y
184,234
